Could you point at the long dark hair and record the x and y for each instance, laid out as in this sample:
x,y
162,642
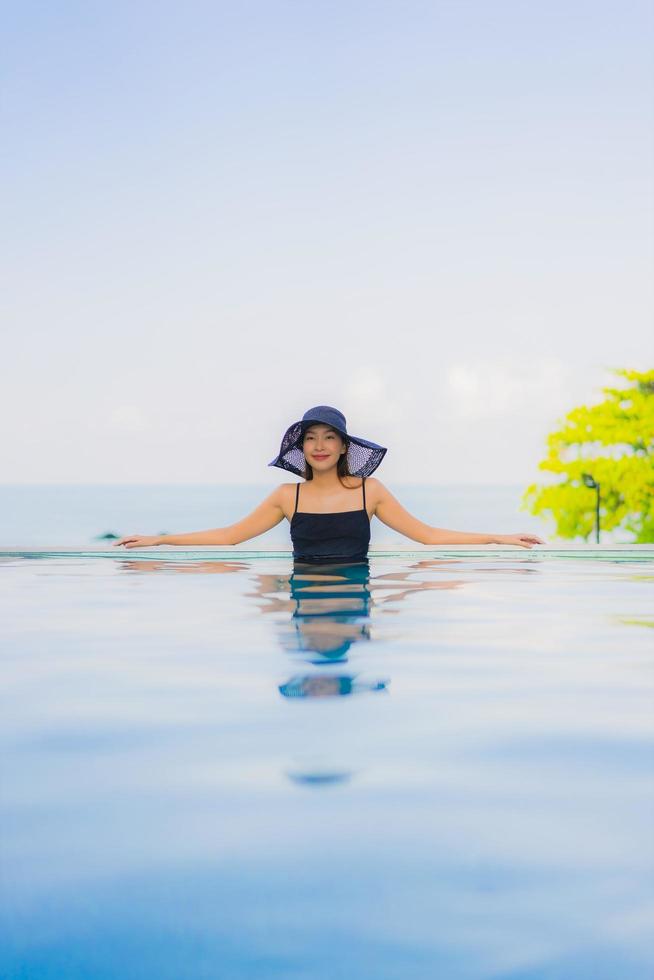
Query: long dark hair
x,y
342,467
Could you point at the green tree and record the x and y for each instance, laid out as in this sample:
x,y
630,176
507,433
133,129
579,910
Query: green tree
x,y
614,442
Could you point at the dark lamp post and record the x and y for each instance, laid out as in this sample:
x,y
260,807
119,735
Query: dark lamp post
x,y
588,480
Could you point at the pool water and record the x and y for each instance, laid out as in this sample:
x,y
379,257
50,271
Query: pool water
x,y
422,767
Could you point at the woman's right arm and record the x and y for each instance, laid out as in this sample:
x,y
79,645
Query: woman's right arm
x,y
267,515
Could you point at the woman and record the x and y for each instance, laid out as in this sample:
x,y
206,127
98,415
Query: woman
x,y
325,528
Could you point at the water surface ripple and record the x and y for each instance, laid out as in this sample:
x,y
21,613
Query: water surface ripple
x,y
400,770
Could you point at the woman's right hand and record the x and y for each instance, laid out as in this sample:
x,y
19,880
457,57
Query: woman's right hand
x,y
139,541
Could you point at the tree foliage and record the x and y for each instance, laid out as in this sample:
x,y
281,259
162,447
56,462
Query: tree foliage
x,y
612,441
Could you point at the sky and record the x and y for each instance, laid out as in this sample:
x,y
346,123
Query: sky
x,y
436,216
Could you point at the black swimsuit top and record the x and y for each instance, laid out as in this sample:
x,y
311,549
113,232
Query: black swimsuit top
x,y
336,537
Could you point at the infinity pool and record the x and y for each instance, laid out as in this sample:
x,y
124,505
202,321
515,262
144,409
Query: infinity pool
x,y
433,766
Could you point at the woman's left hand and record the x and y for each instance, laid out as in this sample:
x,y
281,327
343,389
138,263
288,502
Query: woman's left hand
x,y
522,540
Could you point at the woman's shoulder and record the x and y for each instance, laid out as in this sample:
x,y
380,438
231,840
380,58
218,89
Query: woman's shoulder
x,y
287,491
284,489
375,485
375,489
283,496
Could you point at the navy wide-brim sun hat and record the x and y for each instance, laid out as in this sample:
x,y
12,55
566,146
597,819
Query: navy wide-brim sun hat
x,y
363,456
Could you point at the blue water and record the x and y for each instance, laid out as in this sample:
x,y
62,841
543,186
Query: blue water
x,y
439,767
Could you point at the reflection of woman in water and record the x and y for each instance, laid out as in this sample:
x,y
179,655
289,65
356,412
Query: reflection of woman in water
x,y
336,468
331,610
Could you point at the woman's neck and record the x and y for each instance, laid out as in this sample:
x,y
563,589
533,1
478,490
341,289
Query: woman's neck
x,y
327,482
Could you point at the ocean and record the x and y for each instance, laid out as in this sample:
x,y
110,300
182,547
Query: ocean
x,y
79,514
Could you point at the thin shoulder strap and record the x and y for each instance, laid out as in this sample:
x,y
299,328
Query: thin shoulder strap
x,y
363,484
297,497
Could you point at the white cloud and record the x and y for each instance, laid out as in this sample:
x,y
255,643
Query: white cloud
x,y
377,407
370,394
497,389
127,420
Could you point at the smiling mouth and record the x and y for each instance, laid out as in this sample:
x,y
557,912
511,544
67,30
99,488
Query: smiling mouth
x,y
326,456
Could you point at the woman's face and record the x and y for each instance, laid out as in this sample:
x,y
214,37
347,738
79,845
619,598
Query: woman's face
x,y
323,447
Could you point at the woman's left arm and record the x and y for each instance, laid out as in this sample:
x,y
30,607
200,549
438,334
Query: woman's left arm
x,y
391,512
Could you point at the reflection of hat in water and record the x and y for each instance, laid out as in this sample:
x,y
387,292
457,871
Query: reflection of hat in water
x,y
300,686
363,457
